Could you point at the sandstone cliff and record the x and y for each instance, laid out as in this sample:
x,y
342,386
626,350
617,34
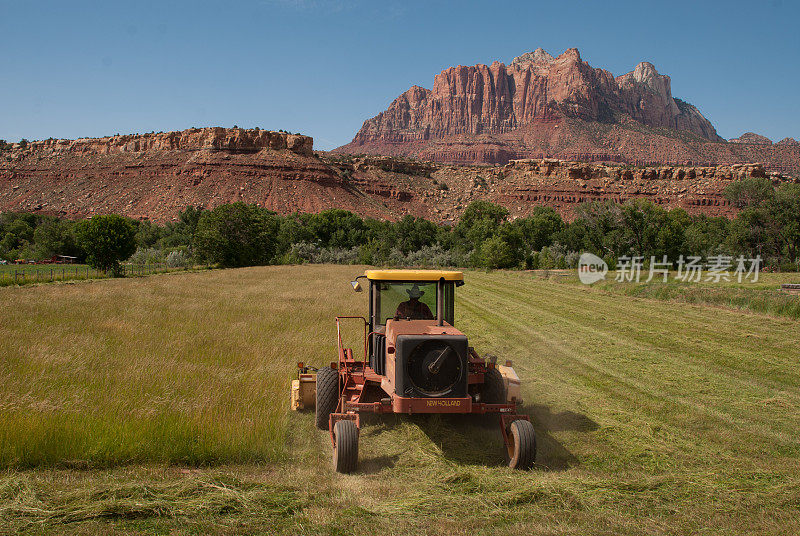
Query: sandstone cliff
x,y
195,139
545,106
535,87
155,176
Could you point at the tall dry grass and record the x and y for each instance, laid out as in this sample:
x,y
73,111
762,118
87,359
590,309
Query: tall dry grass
x,y
189,368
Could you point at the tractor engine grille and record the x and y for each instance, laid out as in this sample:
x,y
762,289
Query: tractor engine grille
x,y
434,368
378,357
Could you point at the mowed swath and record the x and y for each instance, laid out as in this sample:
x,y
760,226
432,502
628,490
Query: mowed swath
x,y
653,416
716,374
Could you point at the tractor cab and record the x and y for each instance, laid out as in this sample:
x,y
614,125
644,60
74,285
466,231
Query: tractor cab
x,y
410,295
408,303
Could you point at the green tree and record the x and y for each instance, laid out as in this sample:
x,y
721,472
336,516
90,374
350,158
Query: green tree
x,y
237,235
55,237
293,229
22,227
705,235
513,237
671,235
750,192
148,234
190,217
181,233
16,236
749,233
480,220
540,228
375,251
785,213
496,253
574,236
640,224
601,227
411,234
768,224
336,228
107,240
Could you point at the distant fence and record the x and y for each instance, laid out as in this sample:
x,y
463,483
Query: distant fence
x,y
22,275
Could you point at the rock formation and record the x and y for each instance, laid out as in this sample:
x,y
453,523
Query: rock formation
x,y
788,142
545,106
155,176
752,138
535,87
216,138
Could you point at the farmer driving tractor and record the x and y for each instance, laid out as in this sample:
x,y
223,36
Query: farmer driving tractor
x,y
414,363
413,309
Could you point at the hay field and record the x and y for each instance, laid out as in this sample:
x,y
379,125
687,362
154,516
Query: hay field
x,y
161,404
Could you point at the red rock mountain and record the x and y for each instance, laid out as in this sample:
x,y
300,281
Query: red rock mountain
x,y
752,138
536,87
540,106
788,141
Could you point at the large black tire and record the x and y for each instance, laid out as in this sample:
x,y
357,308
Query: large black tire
x,y
494,388
521,453
345,447
327,395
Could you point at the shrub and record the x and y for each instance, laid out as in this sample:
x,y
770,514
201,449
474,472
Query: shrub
x,y
303,252
179,259
147,256
434,256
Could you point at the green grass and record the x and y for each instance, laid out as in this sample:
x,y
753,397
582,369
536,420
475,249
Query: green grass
x,y
36,273
762,296
161,404
26,274
44,268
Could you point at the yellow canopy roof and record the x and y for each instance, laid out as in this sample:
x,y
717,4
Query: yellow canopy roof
x,y
413,275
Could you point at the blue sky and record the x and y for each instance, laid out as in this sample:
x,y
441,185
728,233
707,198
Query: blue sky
x,y
72,68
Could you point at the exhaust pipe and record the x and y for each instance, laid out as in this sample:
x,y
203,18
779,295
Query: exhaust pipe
x,y
440,302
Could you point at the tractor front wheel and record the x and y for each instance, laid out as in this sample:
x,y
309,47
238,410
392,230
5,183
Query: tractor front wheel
x,y
494,388
327,395
521,448
345,446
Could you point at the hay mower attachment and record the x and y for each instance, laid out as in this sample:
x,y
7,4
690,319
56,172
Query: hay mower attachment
x,y
413,362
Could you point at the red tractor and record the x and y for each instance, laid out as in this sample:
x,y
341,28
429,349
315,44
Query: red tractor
x,y
414,361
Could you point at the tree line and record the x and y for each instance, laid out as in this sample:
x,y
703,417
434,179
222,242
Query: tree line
x,y
237,234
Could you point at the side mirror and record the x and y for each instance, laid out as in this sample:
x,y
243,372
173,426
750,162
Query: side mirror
x,y
356,286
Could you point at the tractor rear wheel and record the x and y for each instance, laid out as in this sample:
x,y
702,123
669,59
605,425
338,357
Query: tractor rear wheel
x,y
521,448
494,388
327,395
345,446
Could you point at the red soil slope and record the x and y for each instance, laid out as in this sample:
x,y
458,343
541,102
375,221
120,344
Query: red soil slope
x,y
155,176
